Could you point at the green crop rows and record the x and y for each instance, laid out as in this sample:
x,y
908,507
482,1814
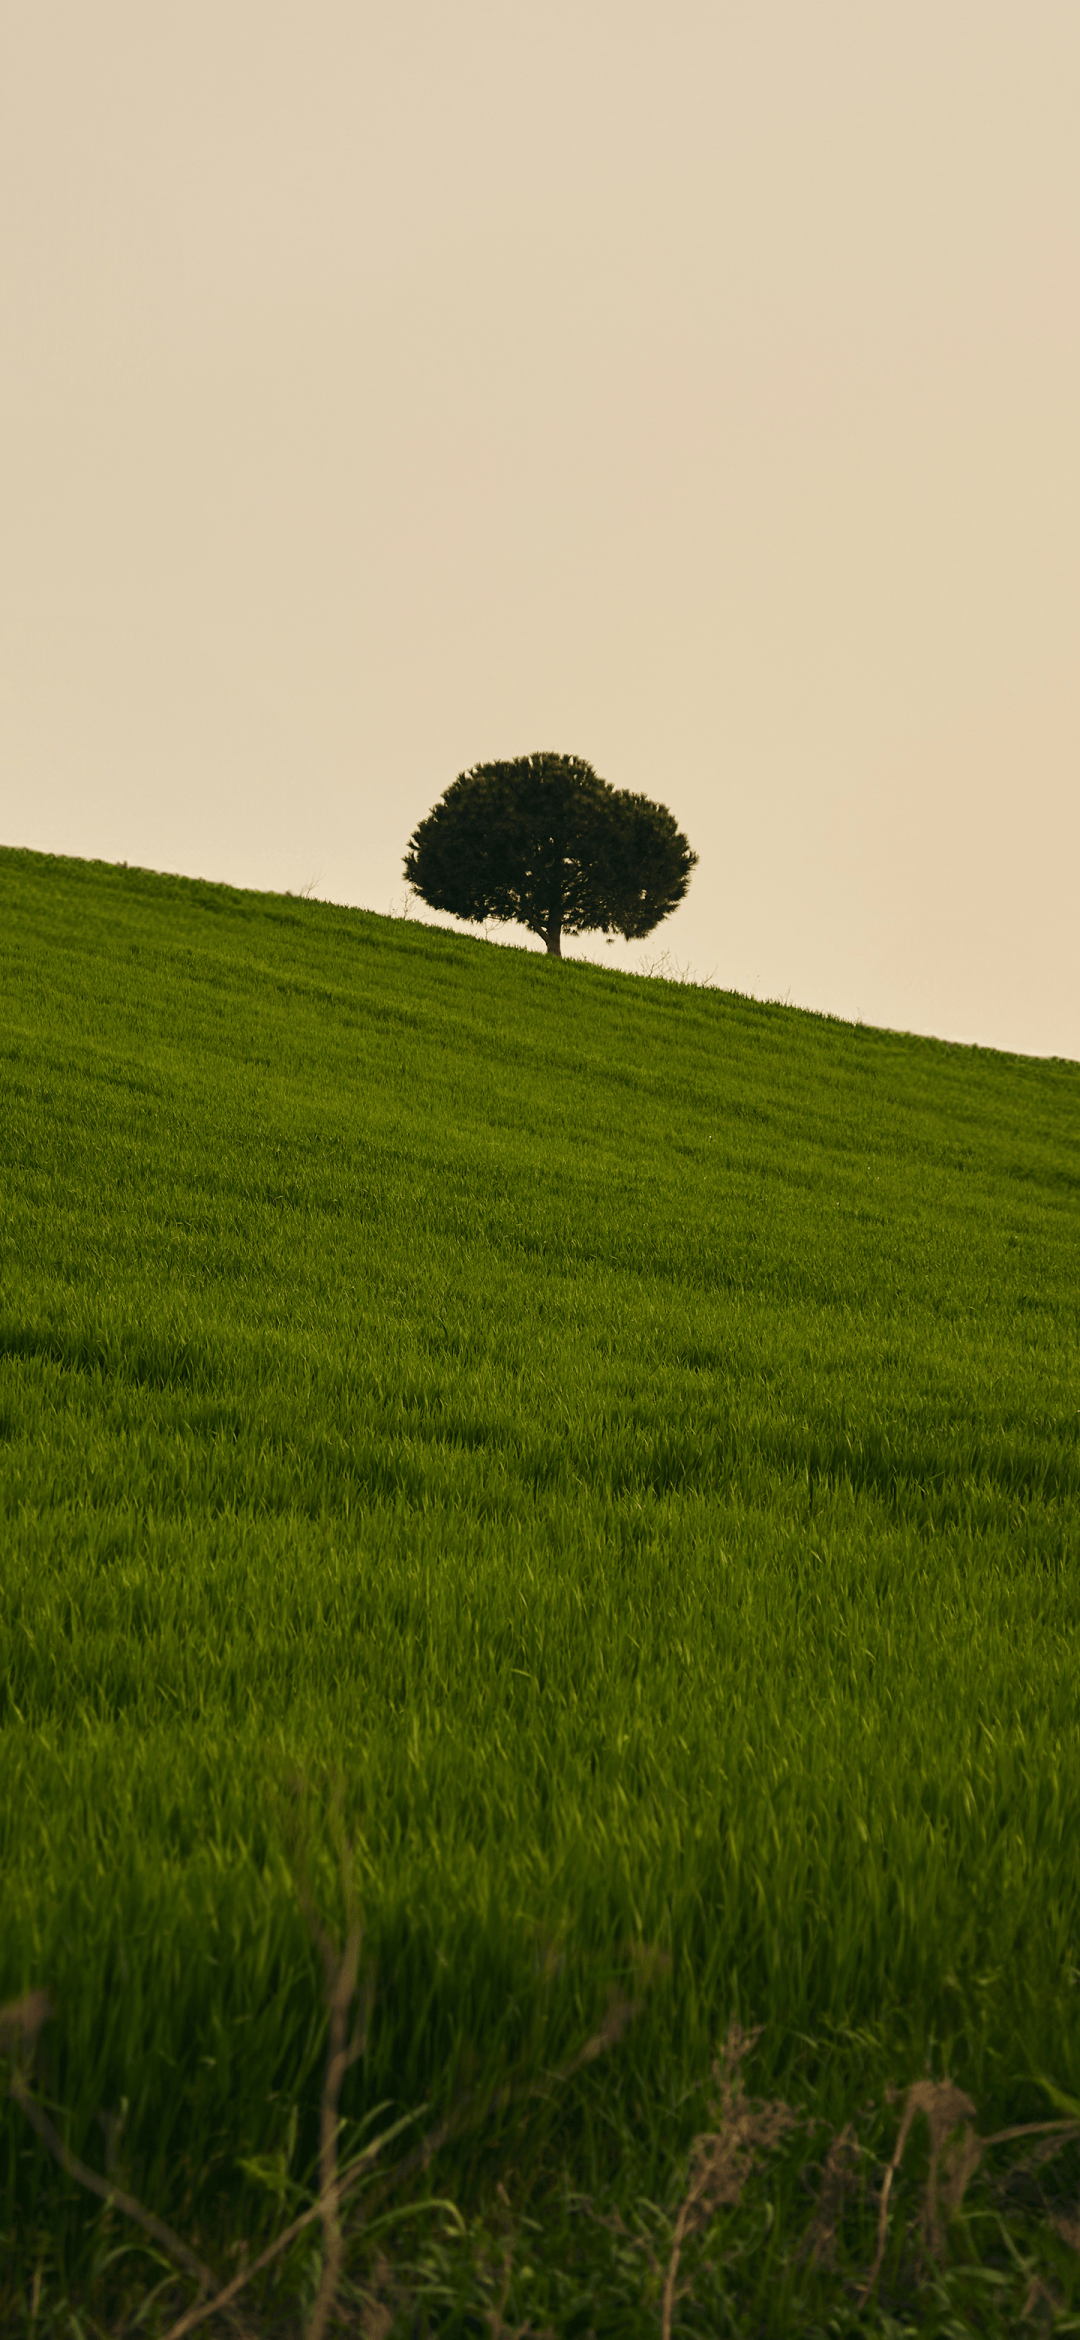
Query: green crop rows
x,y
623,1438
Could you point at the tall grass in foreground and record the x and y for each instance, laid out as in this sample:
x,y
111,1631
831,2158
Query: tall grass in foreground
x,y
626,1435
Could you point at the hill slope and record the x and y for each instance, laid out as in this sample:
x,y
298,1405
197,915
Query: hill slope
x,y
629,1432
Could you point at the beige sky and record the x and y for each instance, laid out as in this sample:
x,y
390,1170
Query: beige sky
x,y
691,387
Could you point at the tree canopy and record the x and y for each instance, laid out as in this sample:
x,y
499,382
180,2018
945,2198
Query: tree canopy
x,y
543,840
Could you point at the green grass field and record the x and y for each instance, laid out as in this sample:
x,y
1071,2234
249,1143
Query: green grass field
x,y
623,1440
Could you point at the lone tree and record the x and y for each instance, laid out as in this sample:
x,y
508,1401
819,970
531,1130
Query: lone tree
x,y
542,840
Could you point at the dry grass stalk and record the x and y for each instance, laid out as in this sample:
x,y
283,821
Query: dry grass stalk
x,y
22,2020
495,2315
1068,2228
19,2026
221,2299
1040,2300
376,2320
20,2023
946,2109
380,2301
346,2178
840,2165
341,1972
619,2014
615,2223
1062,2131
472,2109
341,1975
721,2159
341,2053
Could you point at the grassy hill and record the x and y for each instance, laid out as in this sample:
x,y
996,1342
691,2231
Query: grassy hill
x,y
617,1445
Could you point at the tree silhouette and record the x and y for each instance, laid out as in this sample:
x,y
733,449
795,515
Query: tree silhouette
x,y
544,841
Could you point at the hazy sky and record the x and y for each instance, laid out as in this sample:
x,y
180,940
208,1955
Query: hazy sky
x,y
689,385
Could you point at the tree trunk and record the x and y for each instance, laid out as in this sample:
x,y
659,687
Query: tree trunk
x,y
554,945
